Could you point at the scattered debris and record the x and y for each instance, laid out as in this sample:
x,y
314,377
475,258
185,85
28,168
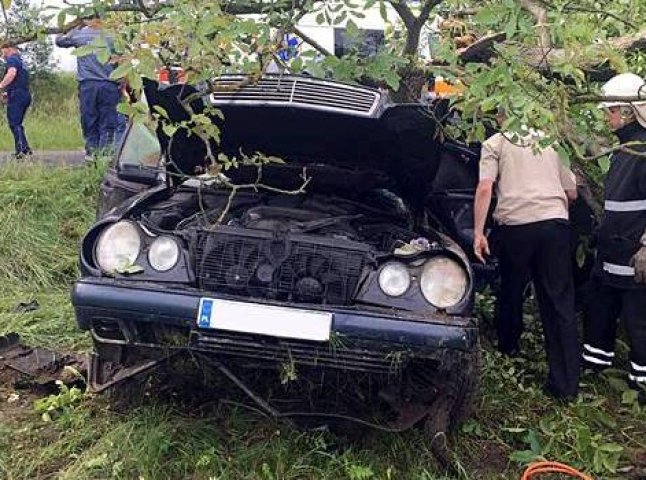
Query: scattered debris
x,y
24,307
38,367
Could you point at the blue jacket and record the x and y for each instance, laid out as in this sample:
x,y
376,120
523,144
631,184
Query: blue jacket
x,y
88,66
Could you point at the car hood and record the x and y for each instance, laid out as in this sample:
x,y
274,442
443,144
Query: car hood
x,y
397,141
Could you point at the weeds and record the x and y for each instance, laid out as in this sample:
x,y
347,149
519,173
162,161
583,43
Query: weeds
x,y
44,217
56,96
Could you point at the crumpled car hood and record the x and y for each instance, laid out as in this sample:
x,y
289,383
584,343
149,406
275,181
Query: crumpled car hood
x,y
399,140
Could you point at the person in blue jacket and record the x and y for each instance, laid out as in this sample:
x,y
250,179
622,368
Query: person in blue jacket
x,y
98,95
15,93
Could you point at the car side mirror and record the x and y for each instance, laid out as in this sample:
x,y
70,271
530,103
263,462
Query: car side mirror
x,y
139,155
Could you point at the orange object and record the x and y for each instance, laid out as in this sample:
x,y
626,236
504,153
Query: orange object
x,y
442,88
538,468
171,76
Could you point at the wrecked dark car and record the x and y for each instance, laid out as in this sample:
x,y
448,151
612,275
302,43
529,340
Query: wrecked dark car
x,y
324,270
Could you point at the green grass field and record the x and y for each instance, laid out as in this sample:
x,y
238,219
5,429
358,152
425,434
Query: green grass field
x,y
52,122
45,212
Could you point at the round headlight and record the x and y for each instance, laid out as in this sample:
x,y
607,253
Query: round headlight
x,y
118,246
163,254
444,282
394,279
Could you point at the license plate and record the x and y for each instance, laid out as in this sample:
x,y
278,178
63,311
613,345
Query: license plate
x,y
264,320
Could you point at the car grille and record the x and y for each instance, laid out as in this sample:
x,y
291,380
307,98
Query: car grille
x,y
345,357
296,91
284,267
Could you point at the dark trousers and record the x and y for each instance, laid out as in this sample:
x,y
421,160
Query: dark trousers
x,y
98,102
604,304
540,251
18,102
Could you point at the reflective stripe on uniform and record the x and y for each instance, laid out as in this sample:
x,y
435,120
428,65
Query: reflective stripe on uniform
x,y
627,206
598,351
638,368
622,270
598,361
636,379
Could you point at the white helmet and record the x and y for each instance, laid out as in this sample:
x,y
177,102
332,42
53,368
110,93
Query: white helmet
x,y
627,85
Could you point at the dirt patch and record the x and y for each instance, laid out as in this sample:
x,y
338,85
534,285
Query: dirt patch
x,y
491,458
27,374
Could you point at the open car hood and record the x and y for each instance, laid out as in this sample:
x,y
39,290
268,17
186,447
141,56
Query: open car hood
x,y
396,142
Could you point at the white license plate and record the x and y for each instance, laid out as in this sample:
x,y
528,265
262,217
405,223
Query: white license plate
x,y
264,319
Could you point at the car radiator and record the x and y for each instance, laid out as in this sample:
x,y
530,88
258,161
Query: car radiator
x,y
279,265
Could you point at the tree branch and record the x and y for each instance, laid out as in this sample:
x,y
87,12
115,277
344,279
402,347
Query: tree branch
x,y
404,13
310,41
540,15
231,7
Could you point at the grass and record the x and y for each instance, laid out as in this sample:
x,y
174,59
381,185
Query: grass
x,y
46,210
52,122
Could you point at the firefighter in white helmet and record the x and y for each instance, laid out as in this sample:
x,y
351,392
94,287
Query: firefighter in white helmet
x,y
618,284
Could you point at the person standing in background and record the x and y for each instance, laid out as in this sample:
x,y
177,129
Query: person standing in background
x,y
15,93
98,94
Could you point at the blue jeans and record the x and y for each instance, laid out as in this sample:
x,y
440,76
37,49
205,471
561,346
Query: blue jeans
x,y
18,102
98,101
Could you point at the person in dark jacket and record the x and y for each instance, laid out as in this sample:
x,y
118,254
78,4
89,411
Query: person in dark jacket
x,y
98,95
15,93
618,285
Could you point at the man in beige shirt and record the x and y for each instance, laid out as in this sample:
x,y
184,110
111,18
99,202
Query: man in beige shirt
x,y
533,189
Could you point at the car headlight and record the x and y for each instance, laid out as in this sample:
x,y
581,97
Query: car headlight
x,y
163,254
443,282
394,279
118,246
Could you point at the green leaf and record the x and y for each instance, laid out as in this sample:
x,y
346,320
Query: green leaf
x,y
161,111
130,269
382,11
604,164
629,397
6,4
611,447
523,456
121,71
102,55
60,19
84,50
169,129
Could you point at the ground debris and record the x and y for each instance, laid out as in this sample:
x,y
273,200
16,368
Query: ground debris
x,y
36,367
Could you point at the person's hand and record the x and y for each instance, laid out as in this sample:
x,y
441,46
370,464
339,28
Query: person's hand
x,y
638,262
481,247
4,98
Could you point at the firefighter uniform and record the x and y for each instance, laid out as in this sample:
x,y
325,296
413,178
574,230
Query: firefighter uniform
x,y
613,292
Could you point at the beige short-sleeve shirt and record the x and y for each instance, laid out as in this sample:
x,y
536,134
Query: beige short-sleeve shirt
x,y
530,185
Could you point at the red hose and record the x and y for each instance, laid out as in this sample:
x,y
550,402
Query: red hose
x,y
539,468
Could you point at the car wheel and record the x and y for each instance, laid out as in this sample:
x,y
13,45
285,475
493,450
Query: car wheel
x,y
452,406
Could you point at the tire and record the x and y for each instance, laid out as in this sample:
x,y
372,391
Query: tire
x,y
468,388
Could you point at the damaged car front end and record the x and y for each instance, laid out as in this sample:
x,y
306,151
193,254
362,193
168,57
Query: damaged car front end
x,y
330,272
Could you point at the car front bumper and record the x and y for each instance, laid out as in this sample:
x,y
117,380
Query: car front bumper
x,y
360,338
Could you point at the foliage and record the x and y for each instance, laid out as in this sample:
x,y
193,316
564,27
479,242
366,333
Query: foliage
x,y
168,436
37,54
552,88
59,406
